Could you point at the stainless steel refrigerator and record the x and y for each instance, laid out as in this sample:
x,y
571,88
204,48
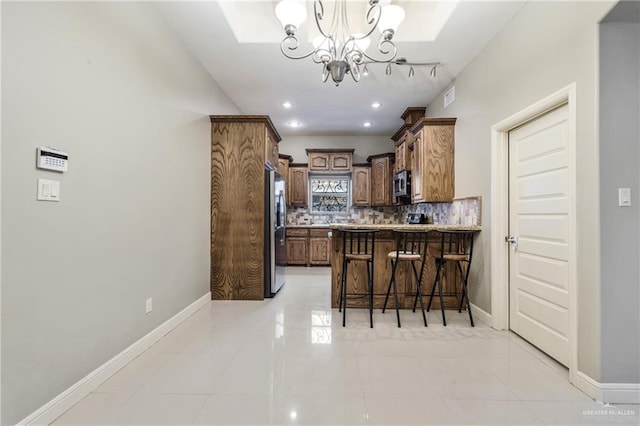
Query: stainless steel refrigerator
x,y
274,235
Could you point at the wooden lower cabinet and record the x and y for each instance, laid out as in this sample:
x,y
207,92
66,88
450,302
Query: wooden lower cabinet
x,y
297,241
308,246
319,247
296,250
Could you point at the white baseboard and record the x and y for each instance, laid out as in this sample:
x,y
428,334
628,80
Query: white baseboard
x,y
67,399
481,314
613,393
587,385
621,393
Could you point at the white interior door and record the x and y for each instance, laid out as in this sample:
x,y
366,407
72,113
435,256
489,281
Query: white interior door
x,y
539,221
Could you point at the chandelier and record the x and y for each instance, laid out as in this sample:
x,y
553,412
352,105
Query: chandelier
x,y
339,50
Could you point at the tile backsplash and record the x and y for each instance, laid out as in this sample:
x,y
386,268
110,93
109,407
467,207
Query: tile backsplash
x,y
463,211
357,215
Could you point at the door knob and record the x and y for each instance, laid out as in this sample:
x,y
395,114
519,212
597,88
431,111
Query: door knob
x,y
513,241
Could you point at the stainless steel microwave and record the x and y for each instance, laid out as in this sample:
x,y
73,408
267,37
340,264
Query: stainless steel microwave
x,y
402,184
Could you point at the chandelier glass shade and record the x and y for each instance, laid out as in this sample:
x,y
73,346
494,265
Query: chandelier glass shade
x,y
339,50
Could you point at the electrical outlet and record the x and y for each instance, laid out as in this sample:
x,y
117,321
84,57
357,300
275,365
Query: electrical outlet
x,y
148,305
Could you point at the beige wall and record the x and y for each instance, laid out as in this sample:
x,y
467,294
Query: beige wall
x,y
364,145
547,46
110,84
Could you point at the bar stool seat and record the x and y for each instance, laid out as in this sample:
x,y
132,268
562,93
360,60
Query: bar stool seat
x,y
455,246
453,257
403,255
358,245
411,246
365,257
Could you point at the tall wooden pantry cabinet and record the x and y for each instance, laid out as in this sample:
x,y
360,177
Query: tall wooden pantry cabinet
x,y
240,147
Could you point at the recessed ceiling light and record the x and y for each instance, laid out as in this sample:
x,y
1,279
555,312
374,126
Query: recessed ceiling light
x,y
286,104
376,105
294,124
367,124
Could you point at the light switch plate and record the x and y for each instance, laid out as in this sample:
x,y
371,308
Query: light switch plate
x,y
48,190
624,197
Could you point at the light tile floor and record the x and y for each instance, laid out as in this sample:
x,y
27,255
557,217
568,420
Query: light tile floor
x,y
289,361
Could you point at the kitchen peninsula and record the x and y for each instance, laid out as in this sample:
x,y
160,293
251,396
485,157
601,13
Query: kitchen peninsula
x,y
416,178
385,243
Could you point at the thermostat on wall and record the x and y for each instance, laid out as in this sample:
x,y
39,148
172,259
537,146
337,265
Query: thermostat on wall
x,y
52,159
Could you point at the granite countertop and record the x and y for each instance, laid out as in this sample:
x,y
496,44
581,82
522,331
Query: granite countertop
x,y
404,226
315,225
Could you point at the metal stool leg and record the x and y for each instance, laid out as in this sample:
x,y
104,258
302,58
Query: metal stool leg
x,y
343,279
393,277
465,293
344,296
395,298
370,291
463,287
435,282
444,320
419,291
415,274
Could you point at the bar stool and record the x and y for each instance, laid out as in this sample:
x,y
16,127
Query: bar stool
x,y
411,246
358,245
455,246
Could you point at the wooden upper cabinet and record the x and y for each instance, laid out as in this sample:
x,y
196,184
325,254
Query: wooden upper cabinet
x,y
432,173
297,185
318,161
412,114
330,160
283,165
382,179
416,149
403,156
361,185
403,138
341,161
401,150
271,147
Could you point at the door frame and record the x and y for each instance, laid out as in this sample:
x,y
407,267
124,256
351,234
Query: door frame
x,y
500,213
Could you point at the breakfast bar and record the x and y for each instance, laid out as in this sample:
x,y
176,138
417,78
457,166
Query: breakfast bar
x,y
385,243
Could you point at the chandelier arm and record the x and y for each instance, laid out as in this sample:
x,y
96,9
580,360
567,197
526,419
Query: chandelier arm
x,y
393,52
296,44
384,42
321,56
319,16
371,21
373,18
